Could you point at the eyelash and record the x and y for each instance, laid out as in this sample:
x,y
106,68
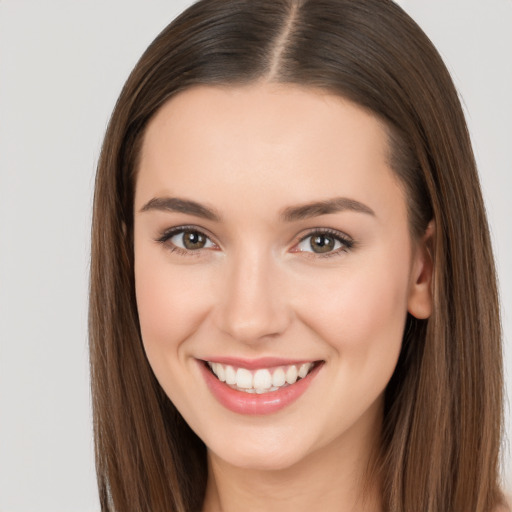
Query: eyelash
x,y
169,233
346,242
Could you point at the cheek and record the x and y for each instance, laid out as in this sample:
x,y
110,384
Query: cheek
x,y
361,311
170,300
361,316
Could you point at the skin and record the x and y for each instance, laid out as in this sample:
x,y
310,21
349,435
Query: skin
x,y
258,288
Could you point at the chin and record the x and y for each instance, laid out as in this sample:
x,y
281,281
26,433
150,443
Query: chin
x,y
262,452
261,461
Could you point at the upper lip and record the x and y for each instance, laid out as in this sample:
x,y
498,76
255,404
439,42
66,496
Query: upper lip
x,y
261,362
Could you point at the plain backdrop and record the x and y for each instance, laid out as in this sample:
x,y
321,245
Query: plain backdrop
x,y
62,65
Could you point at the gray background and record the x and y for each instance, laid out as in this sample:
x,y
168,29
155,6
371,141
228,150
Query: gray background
x,y
62,65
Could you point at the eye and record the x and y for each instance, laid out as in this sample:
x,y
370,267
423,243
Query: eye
x,y
186,239
191,240
324,243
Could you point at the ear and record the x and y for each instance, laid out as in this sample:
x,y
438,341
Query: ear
x,y
419,303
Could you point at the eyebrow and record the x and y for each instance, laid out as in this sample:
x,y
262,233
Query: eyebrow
x,y
290,214
315,209
175,204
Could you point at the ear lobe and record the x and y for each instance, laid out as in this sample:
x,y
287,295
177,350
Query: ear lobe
x,y
419,303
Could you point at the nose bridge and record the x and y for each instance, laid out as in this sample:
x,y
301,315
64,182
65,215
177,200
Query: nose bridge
x,y
253,304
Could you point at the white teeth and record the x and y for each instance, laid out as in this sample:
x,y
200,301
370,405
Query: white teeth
x,y
262,380
304,369
278,379
291,374
230,375
243,378
220,372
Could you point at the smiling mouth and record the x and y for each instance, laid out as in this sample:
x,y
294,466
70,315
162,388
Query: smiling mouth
x,y
263,380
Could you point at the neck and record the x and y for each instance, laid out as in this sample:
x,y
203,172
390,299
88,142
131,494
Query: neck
x,y
334,478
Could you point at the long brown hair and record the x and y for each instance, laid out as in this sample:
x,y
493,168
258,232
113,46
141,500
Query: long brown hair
x,y
443,409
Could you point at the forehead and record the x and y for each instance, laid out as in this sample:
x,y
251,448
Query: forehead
x,y
286,142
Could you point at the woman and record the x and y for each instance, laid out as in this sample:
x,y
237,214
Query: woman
x,y
293,302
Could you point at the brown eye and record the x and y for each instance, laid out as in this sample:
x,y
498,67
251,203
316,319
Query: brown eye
x,y
188,240
325,243
322,243
193,240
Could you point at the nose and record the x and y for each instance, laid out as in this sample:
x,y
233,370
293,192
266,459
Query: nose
x,y
253,305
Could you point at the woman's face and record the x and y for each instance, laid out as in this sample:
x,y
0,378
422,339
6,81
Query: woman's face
x,y
272,241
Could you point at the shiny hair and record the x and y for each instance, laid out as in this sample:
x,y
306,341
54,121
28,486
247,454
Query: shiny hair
x,y
443,406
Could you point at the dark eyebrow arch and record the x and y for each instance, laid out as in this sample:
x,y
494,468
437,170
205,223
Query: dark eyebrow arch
x,y
315,209
290,214
174,204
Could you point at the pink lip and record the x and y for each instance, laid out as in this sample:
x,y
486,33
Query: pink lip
x,y
252,403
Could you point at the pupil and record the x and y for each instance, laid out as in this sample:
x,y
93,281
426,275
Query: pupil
x,y
322,243
194,240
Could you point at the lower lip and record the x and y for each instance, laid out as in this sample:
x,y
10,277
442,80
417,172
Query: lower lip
x,y
253,403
